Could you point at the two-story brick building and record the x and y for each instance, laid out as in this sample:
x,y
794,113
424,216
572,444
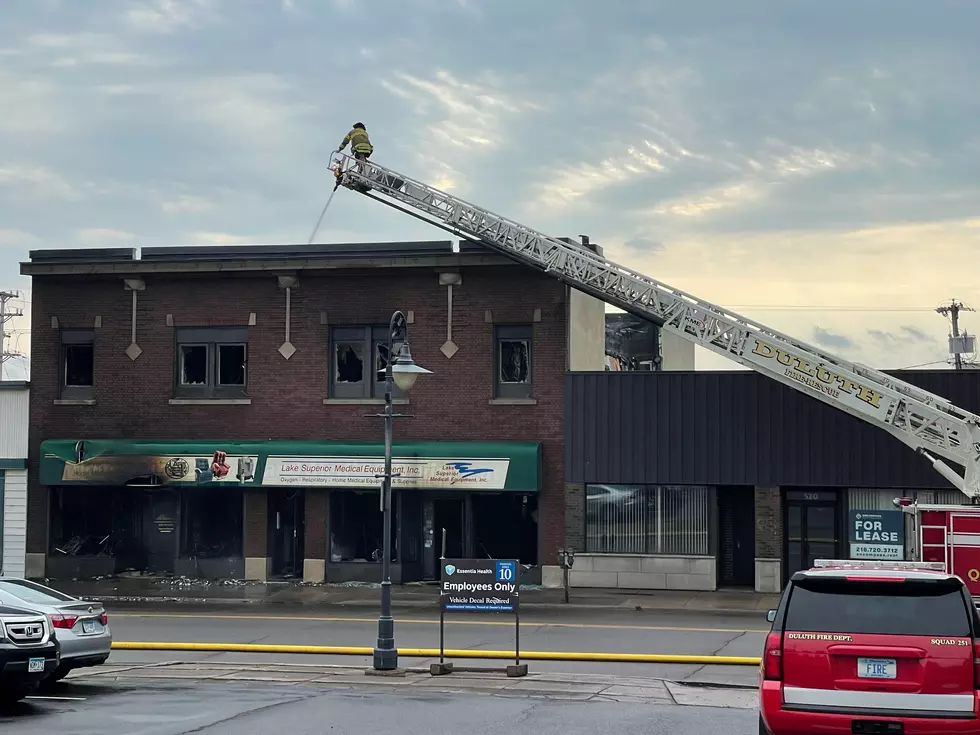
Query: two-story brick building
x,y
144,367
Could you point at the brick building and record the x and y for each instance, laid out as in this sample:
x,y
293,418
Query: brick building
x,y
144,367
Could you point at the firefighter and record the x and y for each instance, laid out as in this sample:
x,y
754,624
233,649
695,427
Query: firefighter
x,y
359,143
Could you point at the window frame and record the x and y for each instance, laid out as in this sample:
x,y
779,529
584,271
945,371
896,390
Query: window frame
x,y
212,339
70,338
371,339
513,333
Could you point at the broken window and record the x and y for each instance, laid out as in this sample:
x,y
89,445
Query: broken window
x,y
357,526
193,364
358,353
513,358
212,523
231,365
77,363
212,362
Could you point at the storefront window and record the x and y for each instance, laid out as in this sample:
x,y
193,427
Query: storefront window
x,y
83,521
648,519
881,499
212,523
357,526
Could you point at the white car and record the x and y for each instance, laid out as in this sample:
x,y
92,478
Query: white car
x,y
81,628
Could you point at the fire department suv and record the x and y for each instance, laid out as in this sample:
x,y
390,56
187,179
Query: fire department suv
x,y
872,647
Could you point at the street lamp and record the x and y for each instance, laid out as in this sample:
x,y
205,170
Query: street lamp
x,y
402,371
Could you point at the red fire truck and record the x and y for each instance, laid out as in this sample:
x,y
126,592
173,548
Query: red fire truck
x,y
949,534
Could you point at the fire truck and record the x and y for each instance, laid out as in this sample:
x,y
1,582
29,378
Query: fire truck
x,y
948,534
925,422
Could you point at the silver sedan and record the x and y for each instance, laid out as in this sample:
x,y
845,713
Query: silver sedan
x,y
81,627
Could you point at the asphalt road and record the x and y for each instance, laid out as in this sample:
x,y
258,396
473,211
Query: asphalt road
x,y
588,631
229,709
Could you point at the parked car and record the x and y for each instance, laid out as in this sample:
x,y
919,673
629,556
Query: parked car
x,y
82,628
29,652
872,647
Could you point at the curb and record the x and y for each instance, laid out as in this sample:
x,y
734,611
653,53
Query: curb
x,y
396,604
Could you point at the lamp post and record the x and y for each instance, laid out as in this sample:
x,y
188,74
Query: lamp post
x,y
402,371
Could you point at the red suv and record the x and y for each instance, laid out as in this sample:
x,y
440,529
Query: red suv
x,y
861,647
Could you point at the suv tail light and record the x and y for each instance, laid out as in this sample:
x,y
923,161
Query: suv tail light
x,y
104,619
65,622
772,657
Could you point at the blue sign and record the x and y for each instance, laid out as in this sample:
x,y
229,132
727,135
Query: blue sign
x,y
479,585
876,534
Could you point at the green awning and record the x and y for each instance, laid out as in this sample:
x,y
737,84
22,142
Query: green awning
x,y
487,466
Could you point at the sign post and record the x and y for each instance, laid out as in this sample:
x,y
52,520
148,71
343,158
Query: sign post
x,y
877,534
479,586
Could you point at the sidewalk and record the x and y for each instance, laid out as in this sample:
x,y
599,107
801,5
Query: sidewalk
x,y
356,595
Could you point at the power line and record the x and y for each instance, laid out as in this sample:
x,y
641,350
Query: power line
x,y
6,314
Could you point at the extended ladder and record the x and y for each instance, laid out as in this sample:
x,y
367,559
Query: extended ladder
x,y
922,420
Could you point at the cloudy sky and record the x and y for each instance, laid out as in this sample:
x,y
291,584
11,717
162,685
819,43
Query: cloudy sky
x,y
810,164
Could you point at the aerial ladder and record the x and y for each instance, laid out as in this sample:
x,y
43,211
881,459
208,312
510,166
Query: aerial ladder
x,y
928,423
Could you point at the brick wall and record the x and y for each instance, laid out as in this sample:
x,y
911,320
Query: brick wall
x,y
286,396
768,523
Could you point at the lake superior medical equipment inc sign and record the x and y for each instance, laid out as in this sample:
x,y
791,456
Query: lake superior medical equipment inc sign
x,y
877,534
480,585
366,472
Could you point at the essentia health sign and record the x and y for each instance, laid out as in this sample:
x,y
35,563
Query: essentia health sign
x,y
366,472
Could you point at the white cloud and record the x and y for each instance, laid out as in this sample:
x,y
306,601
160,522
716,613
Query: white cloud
x,y
101,236
18,238
35,180
459,117
186,203
167,16
220,238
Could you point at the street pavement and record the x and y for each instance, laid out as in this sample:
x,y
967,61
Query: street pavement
x,y
223,699
665,632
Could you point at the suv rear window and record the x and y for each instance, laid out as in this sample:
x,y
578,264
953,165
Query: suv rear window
x,y
886,608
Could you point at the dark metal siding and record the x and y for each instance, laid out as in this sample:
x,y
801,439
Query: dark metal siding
x,y
736,428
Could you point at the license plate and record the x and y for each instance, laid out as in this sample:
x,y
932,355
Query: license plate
x,y
877,668
35,665
88,626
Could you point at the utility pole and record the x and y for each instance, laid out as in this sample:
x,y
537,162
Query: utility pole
x,y
6,314
956,345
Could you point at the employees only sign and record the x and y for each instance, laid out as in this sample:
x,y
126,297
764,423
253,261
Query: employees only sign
x,y
480,585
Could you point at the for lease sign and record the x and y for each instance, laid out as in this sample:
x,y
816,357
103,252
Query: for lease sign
x,y
877,534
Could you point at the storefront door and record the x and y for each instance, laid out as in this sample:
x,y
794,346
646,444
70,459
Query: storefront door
x,y
449,515
161,545
812,528
286,525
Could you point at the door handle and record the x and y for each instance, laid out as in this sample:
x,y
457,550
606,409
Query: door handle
x,y
277,521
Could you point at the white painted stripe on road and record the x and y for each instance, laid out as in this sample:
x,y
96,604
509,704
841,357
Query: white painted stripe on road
x,y
879,700
422,621
57,699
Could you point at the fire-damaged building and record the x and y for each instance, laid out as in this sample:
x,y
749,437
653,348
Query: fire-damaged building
x,y
212,411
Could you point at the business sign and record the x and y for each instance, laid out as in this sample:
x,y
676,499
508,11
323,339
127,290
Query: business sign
x,y
366,472
480,585
123,469
877,534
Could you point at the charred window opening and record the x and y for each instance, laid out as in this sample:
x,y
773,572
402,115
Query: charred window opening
x,y
77,363
357,528
212,523
231,365
212,362
359,357
193,364
513,348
